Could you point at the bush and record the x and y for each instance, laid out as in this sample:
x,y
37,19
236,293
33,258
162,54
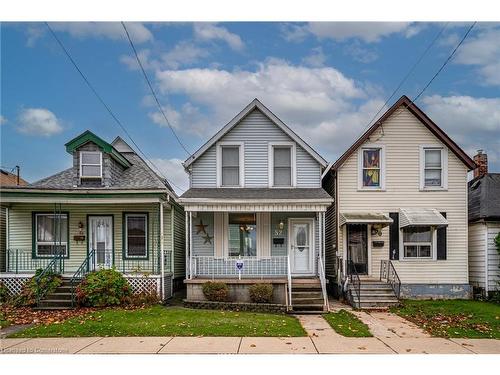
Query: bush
x,y
261,293
215,291
103,288
4,293
46,285
145,297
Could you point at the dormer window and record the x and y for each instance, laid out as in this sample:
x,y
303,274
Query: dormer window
x,y
90,164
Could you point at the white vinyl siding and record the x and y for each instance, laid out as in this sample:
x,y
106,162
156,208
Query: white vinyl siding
x,y
493,257
256,131
402,136
477,253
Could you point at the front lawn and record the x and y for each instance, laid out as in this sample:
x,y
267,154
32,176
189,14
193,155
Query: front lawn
x,y
3,321
453,318
169,321
347,324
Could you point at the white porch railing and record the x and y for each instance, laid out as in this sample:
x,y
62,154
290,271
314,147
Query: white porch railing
x,y
212,267
322,279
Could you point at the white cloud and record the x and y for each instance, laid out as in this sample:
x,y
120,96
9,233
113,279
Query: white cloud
x,y
360,54
3,120
38,122
292,32
173,170
316,59
209,32
483,51
473,123
184,53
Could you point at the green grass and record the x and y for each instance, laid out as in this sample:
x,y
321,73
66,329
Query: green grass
x,y
3,322
454,318
171,321
347,324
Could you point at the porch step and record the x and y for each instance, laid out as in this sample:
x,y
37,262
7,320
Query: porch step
x,y
374,294
307,296
56,303
59,299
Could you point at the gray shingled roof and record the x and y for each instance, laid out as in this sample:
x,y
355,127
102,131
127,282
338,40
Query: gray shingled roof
x,y
137,176
484,197
256,193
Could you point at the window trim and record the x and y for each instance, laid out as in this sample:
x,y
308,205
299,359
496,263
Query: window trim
x,y
382,167
125,255
433,244
226,234
444,167
241,146
34,237
293,158
81,164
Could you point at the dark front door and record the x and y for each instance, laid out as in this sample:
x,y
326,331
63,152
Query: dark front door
x,y
357,248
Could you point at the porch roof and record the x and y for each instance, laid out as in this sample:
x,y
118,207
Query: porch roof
x,y
421,217
257,194
364,218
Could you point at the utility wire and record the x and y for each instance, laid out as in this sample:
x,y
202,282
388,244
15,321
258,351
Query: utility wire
x,y
101,100
152,90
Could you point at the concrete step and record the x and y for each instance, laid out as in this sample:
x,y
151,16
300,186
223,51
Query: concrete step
x,y
301,294
378,304
307,301
308,308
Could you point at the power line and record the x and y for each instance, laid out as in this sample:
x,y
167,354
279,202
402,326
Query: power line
x,y
152,90
101,100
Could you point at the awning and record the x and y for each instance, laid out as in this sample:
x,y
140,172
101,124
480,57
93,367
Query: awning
x,y
364,218
421,217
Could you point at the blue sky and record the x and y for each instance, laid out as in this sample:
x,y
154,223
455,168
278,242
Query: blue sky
x,y
325,80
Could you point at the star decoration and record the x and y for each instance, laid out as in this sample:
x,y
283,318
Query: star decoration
x,y
208,239
201,228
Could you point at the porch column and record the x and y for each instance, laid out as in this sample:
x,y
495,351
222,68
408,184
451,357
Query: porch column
x,y
187,245
162,252
190,245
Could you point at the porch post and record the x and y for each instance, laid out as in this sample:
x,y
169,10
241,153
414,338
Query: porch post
x,y
190,245
162,251
187,246
320,245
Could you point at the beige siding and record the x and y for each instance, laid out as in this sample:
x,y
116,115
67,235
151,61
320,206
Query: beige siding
x,y
493,257
402,134
477,261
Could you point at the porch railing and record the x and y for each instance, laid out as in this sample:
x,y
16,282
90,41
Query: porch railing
x,y
22,261
212,267
88,265
289,277
355,284
55,266
388,273
322,279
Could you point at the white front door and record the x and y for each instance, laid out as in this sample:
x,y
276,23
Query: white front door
x,y
301,249
101,240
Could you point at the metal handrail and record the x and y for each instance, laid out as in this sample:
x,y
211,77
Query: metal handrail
x,y
87,266
322,279
56,265
388,273
289,277
354,279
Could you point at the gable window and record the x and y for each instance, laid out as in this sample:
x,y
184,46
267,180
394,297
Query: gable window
x,y
242,236
136,241
417,242
371,164
90,164
51,234
433,168
230,164
282,166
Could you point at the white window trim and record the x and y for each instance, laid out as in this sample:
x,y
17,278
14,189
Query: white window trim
x,y
444,168
226,239
270,158
433,244
55,243
81,163
125,245
382,167
241,146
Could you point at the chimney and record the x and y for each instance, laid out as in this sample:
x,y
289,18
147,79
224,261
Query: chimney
x,y
481,160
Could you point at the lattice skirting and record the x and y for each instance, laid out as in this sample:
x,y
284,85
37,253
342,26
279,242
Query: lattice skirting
x,y
14,284
144,284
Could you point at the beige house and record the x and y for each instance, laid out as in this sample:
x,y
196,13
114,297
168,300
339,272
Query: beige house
x,y
400,211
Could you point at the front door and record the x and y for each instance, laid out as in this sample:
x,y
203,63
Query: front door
x,y
357,248
301,246
101,240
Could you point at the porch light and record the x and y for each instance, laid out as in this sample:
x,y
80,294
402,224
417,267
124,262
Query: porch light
x,y
377,229
281,225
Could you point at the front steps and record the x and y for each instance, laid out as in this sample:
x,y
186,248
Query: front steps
x,y
307,296
60,299
375,295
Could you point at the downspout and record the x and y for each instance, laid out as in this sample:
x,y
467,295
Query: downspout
x,y
162,252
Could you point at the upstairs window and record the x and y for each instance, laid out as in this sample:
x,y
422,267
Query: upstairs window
x,y
90,164
51,234
282,166
371,164
433,168
136,229
230,165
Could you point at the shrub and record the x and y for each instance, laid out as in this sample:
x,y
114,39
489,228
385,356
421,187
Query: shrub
x,y
4,293
261,293
215,291
33,287
145,297
101,288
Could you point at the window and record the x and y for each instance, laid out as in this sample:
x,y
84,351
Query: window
x,y
242,235
230,165
371,164
51,237
136,229
90,164
433,168
282,166
417,242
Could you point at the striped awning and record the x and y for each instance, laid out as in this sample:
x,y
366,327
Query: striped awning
x,y
364,218
421,217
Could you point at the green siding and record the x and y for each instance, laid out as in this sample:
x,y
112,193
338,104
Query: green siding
x,y
3,237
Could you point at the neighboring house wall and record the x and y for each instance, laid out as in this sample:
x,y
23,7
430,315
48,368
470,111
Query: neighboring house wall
x,y
256,131
402,134
493,257
3,237
477,253
330,229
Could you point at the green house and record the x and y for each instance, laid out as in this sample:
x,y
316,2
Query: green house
x,y
109,210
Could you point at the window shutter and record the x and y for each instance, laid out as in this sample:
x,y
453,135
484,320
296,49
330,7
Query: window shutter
x,y
394,236
441,241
